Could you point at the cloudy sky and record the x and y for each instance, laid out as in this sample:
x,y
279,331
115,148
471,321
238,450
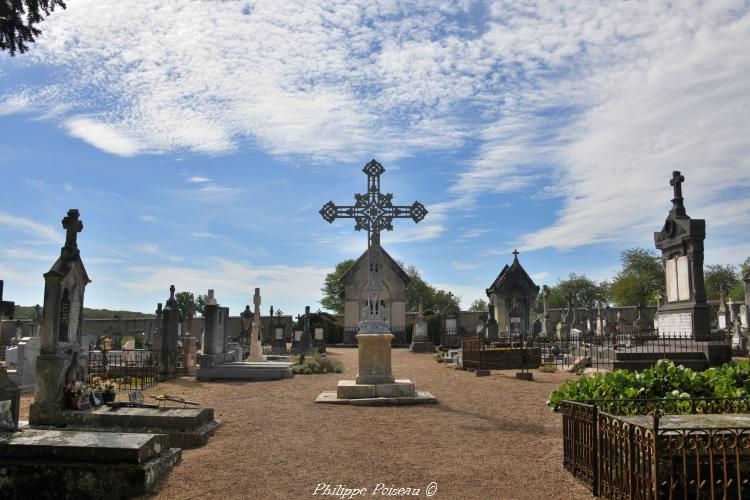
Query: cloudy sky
x,y
199,139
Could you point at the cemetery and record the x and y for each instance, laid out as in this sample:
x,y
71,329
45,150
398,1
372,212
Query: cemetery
x,y
484,344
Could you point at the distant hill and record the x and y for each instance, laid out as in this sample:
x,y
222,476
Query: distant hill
x,y
27,312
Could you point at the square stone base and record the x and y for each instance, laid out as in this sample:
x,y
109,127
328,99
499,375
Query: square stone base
x,y
349,389
331,397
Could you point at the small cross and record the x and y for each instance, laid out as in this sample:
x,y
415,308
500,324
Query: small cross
x,y
73,226
171,292
515,254
676,182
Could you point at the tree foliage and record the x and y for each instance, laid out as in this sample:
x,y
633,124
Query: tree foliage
x,y
333,288
717,277
18,19
479,305
640,278
586,291
183,299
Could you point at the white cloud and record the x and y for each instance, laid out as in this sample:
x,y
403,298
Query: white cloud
x,y
197,179
17,103
541,276
465,266
28,226
147,248
102,135
147,218
26,254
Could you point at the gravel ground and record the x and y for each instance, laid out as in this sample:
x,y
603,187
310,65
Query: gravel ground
x,y
487,438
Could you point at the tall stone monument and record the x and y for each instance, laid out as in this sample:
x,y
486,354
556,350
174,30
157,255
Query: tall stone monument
x,y
60,357
374,212
169,332
420,341
685,313
256,348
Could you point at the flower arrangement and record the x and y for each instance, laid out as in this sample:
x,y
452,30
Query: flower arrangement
x,y
75,388
105,388
107,343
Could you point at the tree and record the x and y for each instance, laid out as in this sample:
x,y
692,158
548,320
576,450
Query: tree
x,y
640,278
431,297
479,305
183,299
717,277
200,303
585,291
17,20
333,288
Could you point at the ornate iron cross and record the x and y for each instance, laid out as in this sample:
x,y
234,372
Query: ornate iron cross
x,y
373,212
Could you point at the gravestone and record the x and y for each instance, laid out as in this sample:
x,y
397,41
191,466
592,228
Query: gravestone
x,y
256,348
547,328
215,353
723,313
171,319
10,402
421,342
686,312
564,326
491,330
60,357
319,340
246,325
304,345
450,318
278,344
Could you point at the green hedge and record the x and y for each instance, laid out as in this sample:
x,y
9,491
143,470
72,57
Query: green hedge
x,y
664,380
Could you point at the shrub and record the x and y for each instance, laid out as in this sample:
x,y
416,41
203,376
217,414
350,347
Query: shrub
x,y
317,364
663,380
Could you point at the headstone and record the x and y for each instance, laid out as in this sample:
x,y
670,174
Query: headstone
x,y
256,349
297,335
246,324
723,312
305,342
686,312
420,341
169,334
61,358
215,319
546,324
10,402
36,323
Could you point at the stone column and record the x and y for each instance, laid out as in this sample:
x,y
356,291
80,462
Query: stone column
x,y
374,358
170,327
256,349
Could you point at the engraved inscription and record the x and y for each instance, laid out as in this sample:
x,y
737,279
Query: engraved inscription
x,y
675,325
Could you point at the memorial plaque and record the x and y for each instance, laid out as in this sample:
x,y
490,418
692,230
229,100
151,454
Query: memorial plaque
x,y
675,325
683,278
318,334
64,316
279,334
6,415
297,335
450,326
672,295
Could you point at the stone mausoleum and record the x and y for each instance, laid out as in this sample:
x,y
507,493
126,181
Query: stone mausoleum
x,y
512,296
394,281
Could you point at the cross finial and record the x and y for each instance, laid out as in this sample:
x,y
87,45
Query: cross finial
x,y
171,292
515,254
676,182
73,226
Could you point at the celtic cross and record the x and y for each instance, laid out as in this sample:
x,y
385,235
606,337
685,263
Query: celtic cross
x,y
373,212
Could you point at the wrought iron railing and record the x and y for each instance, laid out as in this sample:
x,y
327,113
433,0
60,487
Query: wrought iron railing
x,y
648,456
130,370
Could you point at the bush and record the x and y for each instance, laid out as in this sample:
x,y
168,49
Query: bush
x,y
317,364
664,380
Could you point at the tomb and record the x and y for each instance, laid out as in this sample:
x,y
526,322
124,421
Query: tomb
x,y
420,341
60,361
219,364
513,294
375,383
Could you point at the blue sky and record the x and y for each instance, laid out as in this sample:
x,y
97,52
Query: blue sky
x,y
199,139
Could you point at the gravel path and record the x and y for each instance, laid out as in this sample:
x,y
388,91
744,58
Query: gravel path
x,y
487,438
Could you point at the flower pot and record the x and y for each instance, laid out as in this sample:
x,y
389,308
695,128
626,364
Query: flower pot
x,y
73,402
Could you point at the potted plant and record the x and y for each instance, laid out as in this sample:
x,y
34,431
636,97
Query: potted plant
x,y
73,392
109,391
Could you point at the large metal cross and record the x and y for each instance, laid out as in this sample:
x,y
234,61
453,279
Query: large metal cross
x,y
373,212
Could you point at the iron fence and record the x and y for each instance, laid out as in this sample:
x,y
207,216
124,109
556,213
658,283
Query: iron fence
x,y
626,454
130,370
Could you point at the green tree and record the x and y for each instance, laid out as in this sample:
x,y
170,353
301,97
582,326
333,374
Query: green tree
x,y
479,305
639,280
18,19
431,297
333,289
200,303
586,291
183,299
717,277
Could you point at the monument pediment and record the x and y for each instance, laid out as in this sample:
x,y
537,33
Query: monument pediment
x,y
512,276
387,260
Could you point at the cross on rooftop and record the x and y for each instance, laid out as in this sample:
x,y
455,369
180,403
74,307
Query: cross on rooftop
x,y
373,211
676,182
73,226
515,254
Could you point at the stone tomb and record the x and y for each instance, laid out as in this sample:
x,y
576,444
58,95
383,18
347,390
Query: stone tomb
x,y
218,364
60,361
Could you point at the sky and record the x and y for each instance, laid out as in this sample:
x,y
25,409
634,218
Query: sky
x,y
199,139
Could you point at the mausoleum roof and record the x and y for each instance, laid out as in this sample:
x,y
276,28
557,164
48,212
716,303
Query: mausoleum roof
x,y
387,260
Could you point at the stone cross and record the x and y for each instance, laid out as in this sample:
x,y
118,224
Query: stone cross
x,y
515,254
373,212
7,308
676,182
73,226
256,350
171,293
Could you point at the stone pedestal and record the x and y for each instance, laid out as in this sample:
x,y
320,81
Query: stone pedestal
x,y
374,358
375,384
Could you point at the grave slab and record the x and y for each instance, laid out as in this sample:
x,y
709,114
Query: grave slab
x,y
261,370
53,464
